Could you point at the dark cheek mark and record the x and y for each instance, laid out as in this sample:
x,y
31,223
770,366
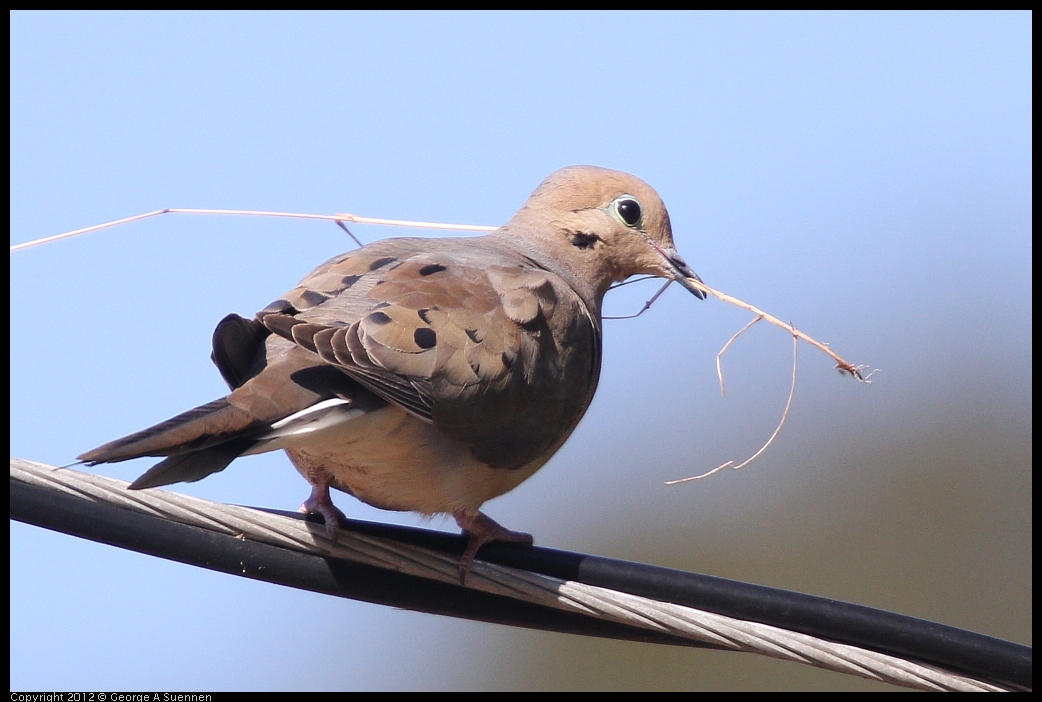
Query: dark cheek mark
x,y
425,338
582,240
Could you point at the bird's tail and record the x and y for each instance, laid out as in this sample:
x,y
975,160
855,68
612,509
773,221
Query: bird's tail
x,y
196,443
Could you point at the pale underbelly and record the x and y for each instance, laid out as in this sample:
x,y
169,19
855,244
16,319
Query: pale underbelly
x,y
389,459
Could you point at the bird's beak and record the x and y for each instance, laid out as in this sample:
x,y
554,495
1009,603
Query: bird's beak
x,y
682,272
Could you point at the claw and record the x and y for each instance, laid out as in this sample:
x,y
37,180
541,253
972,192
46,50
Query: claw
x,y
321,503
481,531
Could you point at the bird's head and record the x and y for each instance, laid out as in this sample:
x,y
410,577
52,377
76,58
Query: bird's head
x,y
600,227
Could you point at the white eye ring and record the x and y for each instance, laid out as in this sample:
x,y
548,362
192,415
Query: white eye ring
x,y
627,208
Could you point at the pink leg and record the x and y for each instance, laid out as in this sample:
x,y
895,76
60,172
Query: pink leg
x,y
482,530
321,503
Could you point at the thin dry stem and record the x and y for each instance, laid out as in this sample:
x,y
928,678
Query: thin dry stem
x,y
777,430
420,225
841,364
719,370
647,305
258,213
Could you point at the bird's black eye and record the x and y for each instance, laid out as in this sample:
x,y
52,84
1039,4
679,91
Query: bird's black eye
x,y
629,210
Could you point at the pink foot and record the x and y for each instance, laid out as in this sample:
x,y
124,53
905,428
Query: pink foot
x,y
481,531
321,503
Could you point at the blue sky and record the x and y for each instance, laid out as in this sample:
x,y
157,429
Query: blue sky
x,y
867,176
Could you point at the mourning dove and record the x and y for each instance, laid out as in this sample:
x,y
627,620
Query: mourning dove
x,y
427,375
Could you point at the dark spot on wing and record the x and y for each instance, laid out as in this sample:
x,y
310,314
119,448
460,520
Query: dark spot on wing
x,y
280,306
349,280
425,338
473,334
313,299
423,315
431,269
381,262
379,318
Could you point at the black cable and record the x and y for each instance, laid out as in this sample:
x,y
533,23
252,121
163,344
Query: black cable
x,y
979,656
108,524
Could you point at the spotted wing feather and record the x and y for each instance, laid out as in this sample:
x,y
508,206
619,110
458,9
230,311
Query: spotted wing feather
x,y
460,341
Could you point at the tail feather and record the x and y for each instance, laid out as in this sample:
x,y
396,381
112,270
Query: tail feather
x,y
238,349
294,395
200,428
192,466
197,443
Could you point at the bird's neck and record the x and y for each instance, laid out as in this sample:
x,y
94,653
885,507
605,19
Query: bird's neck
x,y
557,257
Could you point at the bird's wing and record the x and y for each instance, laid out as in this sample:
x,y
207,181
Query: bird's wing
x,y
475,340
